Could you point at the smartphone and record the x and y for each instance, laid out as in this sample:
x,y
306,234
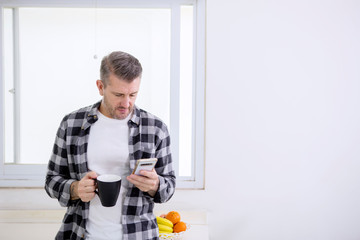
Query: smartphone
x,y
147,164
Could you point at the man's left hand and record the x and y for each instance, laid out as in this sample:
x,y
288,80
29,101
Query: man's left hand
x,y
147,182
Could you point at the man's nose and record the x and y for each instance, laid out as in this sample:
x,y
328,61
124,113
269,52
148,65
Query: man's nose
x,y
126,102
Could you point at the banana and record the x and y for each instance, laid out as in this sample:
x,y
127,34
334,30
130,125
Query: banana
x,y
164,221
165,229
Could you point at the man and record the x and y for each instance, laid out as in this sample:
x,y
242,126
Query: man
x,y
108,137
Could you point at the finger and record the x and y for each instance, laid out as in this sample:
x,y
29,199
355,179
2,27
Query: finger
x,y
88,182
136,180
89,189
91,175
140,179
141,187
83,184
88,197
91,195
150,174
143,183
133,178
145,173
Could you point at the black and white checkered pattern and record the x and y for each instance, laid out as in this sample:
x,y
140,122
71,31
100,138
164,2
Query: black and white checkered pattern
x,y
149,138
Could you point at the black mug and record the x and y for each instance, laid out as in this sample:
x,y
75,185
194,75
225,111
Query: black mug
x,y
108,189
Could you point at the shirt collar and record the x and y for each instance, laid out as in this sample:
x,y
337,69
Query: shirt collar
x,y
93,113
93,110
136,116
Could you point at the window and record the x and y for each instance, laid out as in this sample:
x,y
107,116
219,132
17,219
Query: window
x,y
51,56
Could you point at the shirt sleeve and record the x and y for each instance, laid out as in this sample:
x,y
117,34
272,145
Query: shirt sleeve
x,y
164,169
58,180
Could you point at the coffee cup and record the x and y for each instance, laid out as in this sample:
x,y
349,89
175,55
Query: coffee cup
x,y
108,189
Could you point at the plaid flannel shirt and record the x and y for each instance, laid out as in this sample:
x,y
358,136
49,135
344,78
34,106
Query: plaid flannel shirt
x,y
149,137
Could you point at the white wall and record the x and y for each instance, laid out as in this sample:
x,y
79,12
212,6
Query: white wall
x,y
282,122
283,119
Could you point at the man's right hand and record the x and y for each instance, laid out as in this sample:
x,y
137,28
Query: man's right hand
x,y
85,188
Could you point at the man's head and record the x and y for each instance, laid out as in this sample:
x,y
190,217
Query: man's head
x,y
120,81
123,65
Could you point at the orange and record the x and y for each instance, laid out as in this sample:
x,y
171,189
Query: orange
x,y
173,216
179,227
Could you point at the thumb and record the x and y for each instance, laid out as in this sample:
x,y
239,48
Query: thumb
x,y
91,175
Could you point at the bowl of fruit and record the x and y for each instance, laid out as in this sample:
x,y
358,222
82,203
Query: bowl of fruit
x,y
171,227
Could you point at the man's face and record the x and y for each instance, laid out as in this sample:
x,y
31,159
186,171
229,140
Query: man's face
x,y
118,96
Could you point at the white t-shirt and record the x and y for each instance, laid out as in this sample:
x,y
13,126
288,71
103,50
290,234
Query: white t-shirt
x,y
108,153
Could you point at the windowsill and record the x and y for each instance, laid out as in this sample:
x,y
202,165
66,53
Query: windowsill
x,y
38,183
37,199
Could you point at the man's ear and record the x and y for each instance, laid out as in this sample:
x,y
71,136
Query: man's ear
x,y
100,86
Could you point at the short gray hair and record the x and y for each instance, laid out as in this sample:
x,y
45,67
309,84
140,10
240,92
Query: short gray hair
x,y
122,65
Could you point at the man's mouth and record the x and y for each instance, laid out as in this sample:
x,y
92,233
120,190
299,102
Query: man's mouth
x,y
121,109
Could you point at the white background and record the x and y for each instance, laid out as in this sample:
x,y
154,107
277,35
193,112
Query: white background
x,y
283,134
282,123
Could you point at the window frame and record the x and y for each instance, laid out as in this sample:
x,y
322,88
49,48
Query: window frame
x,y
32,175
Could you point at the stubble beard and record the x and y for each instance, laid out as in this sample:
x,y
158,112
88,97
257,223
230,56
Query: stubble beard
x,y
112,111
